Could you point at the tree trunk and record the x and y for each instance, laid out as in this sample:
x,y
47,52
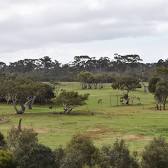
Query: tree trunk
x,y
157,107
21,110
20,125
164,106
30,103
67,109
160,107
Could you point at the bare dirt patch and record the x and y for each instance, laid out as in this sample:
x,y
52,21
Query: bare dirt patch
x,y
4,120
41,130
136,138
97,132
44,130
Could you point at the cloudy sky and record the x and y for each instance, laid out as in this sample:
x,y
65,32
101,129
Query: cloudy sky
x,y
65,28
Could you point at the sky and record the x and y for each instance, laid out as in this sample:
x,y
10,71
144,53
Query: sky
x,y
63,29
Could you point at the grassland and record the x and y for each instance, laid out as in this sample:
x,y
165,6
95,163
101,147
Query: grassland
x,y
105,122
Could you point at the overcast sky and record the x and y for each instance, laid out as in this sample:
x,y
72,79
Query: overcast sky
x,y
65,28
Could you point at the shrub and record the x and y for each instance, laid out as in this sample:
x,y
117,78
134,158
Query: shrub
x,y
79,152
2,141
117,156
155,154
6,159
39,156
21,140
21,143
59,155
72,159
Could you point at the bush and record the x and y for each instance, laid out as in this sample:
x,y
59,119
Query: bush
x,y
21,143
117,156
59,155
79,152
2,141
155,154
39,156
72,159
21,140
6,159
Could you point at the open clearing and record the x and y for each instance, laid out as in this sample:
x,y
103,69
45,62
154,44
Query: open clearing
x,y
105,122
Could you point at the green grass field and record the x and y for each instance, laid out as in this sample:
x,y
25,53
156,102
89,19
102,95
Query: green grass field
x,y
105,122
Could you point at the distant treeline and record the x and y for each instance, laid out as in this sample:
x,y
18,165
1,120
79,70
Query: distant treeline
x,y
45,69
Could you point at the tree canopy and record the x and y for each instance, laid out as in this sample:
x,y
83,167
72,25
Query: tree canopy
x,y
70,99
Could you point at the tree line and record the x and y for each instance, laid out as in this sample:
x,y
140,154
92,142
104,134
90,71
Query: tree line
x,y
21,149
46,69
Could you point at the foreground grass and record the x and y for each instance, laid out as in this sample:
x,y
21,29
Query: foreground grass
x,y
105,122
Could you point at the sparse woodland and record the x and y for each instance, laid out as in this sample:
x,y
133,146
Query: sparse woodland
x,y
79,97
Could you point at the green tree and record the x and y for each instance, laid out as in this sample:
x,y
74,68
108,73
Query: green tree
x,y
128,84
152,84
70,99
161,94
86,79
46,63
159,88
24,92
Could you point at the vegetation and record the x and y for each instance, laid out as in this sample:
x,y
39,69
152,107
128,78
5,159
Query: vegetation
x,y
24,92
159,87
70,99
6,159
137,124
46,69
80,152
89,80
155,154
128,84
118,156
98,113
2,141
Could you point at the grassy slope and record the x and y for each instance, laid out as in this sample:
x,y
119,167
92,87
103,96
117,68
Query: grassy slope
x,y
137,124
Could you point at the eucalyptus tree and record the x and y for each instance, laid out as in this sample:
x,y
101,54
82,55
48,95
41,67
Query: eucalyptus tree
x,y
23,92
126,83
86,79
161,94
70,99
159,87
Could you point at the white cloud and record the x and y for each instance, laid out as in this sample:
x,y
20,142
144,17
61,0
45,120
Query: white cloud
x,y
27,26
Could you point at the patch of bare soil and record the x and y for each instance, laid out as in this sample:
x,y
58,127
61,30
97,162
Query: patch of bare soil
x,y
41,130
97,132
136,138
4,120
101,131
37,130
